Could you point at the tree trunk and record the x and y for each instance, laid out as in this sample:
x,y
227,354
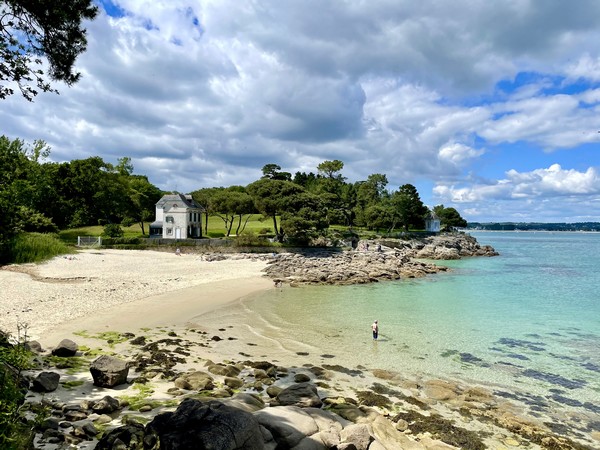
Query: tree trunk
x,y
142,227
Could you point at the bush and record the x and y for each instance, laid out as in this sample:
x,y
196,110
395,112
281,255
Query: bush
x,y
35,247
113,230
249,239
132,241
15,432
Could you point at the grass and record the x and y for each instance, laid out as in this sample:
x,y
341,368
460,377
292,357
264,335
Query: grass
x,y
111,337
36,247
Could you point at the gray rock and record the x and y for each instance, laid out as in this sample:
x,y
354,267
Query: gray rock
x,y
197,381
34,346
357,434
301,378
233,383
65,348
106,405
197,425
108,371
45,382
300,394
289,425
224,370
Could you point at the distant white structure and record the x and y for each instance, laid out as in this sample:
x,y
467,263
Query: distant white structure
x,y
178,216
433,224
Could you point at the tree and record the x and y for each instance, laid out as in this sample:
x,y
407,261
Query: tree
x,y
272,198
205,198
143,196
330,169
233,203
273,171
408,207
30,29
449,217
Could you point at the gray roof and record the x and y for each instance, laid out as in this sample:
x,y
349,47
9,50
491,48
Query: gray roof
x,y
181,200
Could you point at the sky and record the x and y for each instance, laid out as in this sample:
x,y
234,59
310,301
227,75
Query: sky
x,y
490,107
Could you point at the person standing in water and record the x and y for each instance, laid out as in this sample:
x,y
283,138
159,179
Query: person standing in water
x,y
375,328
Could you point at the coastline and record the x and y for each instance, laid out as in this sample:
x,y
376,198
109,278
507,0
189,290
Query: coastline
x,y
189,310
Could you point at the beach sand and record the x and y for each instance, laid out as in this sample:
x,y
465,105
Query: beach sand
x,y
117,290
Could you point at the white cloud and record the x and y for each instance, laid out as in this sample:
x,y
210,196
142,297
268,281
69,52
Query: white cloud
x,y
204,93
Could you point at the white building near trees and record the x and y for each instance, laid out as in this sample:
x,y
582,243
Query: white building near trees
x,y
178,216
433,224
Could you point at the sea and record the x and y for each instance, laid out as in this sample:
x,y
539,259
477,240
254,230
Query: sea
x,y
525,323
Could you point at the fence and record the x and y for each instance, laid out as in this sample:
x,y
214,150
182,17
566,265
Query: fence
x,y
89,241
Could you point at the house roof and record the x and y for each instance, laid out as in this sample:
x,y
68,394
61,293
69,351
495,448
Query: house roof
x,y
169,201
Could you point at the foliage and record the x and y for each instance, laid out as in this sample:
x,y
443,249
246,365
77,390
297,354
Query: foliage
x,y
449,218
15,433
112,230
35,247
250,239
35,28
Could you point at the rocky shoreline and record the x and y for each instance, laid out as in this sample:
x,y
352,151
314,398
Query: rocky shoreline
x,y
154,391
374,260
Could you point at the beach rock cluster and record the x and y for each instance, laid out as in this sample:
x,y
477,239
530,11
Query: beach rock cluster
x,y
446,246
330,267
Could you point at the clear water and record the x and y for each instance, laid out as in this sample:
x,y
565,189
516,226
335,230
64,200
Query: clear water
x,y
527,320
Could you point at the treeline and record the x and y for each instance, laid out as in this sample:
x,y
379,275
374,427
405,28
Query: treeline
x,y
303,206
41,196
534,226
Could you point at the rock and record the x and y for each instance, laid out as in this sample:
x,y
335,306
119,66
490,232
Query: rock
x,y
301,378
199,425
45,382
289,425
108,371
34,346
106,405
128,437
233,383
273,391
49,423
65,348
197,381
224,370
357,434
74,416
300,394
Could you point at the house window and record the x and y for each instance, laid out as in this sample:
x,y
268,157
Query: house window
x,y
169,219
169,231
191,217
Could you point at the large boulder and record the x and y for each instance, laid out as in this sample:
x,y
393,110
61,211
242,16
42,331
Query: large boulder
x,y
289,425
196,381
65,348
300,394
196,425
45,382
108,371
106,405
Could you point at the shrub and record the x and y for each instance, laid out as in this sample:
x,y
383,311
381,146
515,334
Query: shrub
x,y
249,239
15,432
35,247
113,230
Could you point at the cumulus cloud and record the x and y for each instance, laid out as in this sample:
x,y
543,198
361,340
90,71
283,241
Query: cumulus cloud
x,y
205,93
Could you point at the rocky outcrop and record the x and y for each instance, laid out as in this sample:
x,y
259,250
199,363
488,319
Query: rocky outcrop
x,y
377,260
331,267
441,247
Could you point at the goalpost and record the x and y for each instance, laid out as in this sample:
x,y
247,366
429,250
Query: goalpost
x,y
89,241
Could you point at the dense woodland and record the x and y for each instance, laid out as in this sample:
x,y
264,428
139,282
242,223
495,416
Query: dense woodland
x,y
37,195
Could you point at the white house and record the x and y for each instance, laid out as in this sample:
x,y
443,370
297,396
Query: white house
x,y
433,224
178,216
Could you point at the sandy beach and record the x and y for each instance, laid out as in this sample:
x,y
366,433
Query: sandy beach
x,y
96,290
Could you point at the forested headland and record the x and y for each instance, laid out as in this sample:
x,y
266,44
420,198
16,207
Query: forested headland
x,y
40,196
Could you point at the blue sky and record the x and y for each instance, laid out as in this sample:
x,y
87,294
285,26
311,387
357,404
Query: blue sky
x,y
489,107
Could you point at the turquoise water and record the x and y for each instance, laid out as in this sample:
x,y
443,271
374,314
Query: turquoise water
x,y
527,320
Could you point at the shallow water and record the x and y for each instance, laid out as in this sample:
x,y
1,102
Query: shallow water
x,y
527,320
